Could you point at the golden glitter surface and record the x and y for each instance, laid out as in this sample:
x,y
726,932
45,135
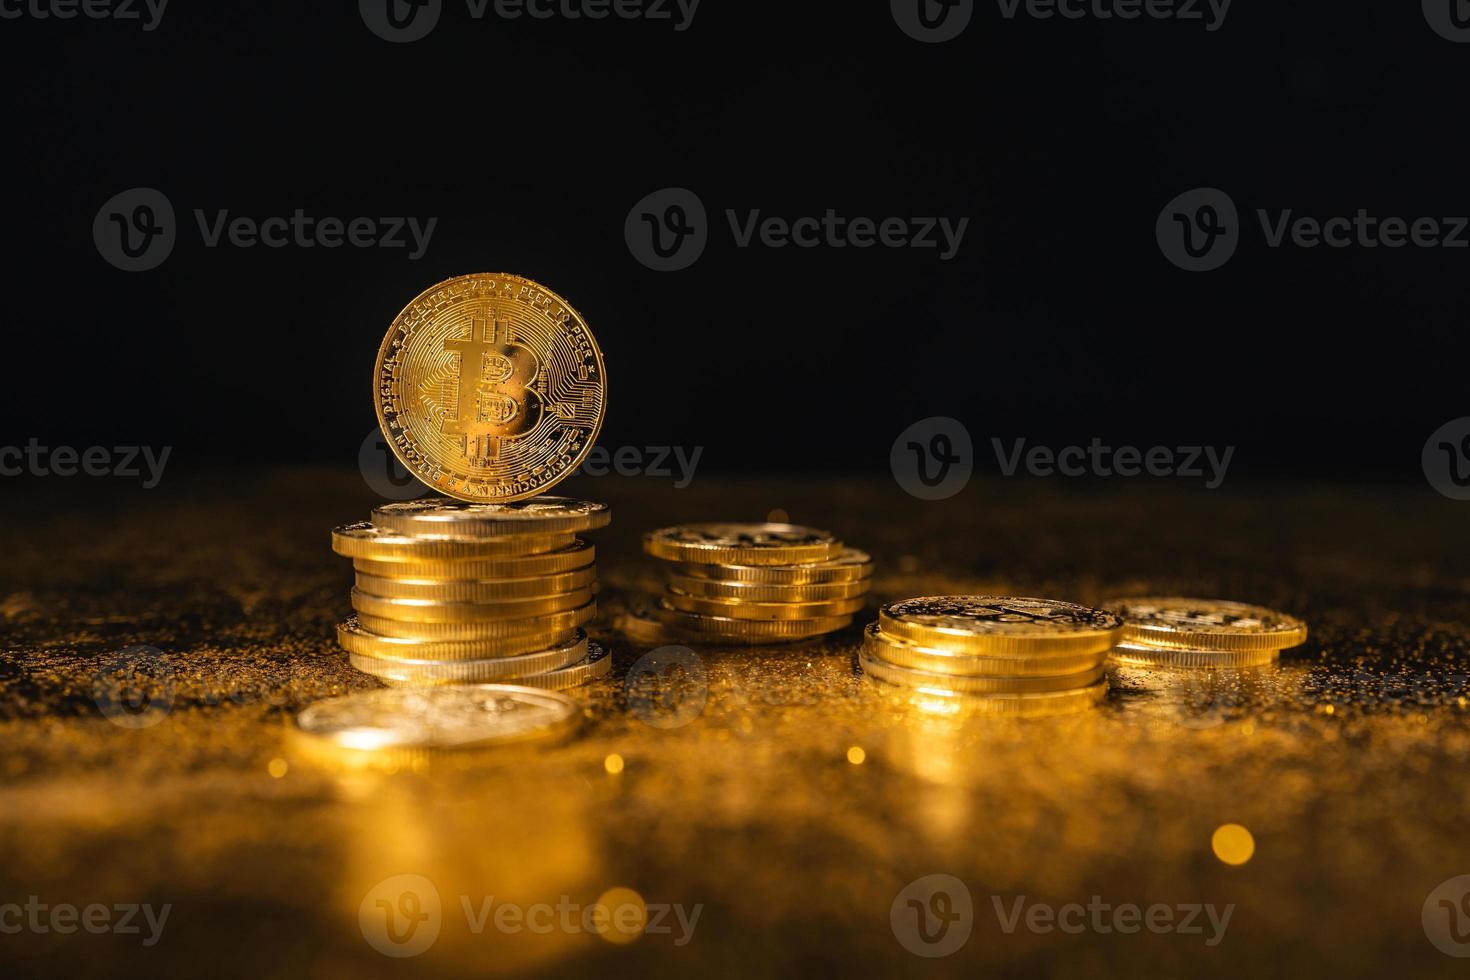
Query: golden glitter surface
x,y
748,811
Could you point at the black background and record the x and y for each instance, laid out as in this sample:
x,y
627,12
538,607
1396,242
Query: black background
x,y
1059,320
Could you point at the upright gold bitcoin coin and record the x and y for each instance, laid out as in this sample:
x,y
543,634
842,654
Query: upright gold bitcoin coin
x,y
490,387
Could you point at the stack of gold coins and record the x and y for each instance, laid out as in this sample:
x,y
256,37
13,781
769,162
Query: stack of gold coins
x,y
450,592
757,583
1179,632
1002,654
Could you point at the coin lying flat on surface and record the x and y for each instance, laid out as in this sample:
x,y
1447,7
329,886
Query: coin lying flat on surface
x,y
490,387
475,590
742,544
413,722
358,640
753,610
366,540
850,565
1001,625
752,592
748,630
456,518
435,611
596,665
1207,624
1148,655
555,624
970,684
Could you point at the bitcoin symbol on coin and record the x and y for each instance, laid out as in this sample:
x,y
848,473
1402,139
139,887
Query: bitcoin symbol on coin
x,y
496,397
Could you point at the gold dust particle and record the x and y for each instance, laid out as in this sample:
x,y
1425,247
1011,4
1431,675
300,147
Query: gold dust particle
x,y
624,917
856,755
277,767
1233,844
613,763
778,516
1330,709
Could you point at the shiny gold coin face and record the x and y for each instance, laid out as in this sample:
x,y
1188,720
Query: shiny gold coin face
x,y
577,555
436,611
440,719
744,609
366,540
714,628
967,684
939,660
850,565
742,544
753,592
542,627
449,590
1208,624
490,387
404,672
598,664
1148,655
455,518
1001,625
357,640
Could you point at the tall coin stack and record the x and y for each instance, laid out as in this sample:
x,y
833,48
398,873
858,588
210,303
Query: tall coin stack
x,y
1000,654
459,593
757,583
1179,632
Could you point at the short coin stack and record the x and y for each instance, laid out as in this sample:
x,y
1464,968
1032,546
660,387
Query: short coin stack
x,y
1001,654
757,583
462,593
1180,632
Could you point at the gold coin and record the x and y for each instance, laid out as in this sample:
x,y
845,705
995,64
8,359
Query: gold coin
x,y
353,637
742,544
1006,626
942,661
953,704
753,592
490,387
473,671
543,627
579,554
749,631
435,611
598,664
365,540
850,565
1208,624
406,727
966,684
493,590
741,609
457,519
1147,655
